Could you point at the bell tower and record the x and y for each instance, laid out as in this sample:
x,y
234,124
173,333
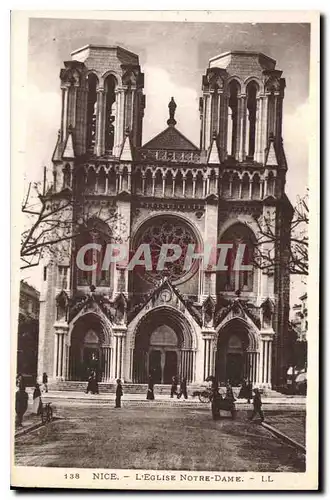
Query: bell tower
x,y
102,97
242,103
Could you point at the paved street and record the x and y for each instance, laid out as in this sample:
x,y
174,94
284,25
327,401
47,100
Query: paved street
x,y
177,437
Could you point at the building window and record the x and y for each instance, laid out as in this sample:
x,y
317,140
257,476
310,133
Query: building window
x,y
45,273
251,117
231,279
110,112
232,118
91,111
66,176
62,279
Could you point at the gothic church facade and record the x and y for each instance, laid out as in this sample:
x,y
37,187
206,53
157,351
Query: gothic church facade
x,y
128,324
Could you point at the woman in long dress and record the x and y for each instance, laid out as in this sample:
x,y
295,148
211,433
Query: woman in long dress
x,y
36,400
150,393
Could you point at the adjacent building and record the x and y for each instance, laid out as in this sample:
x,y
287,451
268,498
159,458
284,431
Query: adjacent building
x,y
28,328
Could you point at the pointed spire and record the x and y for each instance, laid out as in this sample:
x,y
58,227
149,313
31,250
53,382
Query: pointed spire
x,y
57,151
171,122
68,152
213,156
271,158
126,152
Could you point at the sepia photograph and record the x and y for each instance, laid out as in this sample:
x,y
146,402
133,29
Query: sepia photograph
x,y
165,322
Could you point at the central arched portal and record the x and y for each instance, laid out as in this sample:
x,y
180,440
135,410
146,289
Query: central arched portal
x,y
237,355
163,348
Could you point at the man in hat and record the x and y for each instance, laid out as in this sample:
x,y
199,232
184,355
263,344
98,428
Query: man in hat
x,y
257,404
119,393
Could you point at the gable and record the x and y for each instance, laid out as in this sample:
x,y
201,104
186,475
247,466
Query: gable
x,y
170,139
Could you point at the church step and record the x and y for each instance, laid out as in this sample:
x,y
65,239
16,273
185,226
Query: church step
x,y
129,388
108,387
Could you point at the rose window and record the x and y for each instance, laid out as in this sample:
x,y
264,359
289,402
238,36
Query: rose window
x,y
169,231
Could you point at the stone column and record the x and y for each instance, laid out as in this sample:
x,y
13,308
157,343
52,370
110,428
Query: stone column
x,y
208,356
65,99
258,152
106,352
184,185
60,351
119,122
164,178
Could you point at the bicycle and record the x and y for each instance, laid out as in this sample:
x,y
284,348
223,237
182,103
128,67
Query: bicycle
x,y
46,413
204,396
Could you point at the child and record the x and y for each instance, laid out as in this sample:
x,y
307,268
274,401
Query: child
x,y
257,405
119,393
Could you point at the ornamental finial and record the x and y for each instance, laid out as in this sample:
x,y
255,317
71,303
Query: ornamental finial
x,y
172,107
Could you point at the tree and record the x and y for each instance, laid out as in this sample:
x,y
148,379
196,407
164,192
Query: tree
x,y
297,240
53,219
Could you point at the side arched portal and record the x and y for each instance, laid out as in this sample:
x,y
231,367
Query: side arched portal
x,y
237,355
163,347
90,349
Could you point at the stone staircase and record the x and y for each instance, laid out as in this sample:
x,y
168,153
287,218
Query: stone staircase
x,y
129,388
108,387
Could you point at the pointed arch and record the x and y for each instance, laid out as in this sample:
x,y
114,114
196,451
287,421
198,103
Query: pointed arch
x,y
110,85
67,176
92,84
252,90
178,189
158,183
168,184
199,191
256,187
232,279
236,182
112,181
101,181
246,187
189,185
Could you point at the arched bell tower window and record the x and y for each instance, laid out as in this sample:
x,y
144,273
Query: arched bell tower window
x,y
232,118
232,279
110,112
252,90
66,176
91,111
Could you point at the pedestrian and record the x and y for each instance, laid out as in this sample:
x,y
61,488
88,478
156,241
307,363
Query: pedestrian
x,y
229,393
249,394
215,400
257,404
89,387
183,388
20,382
174,386
150,392
95,385
45,381
246,391
21,404
119,393
37,403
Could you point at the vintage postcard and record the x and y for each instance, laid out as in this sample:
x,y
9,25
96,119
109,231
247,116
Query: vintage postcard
x,y
164,312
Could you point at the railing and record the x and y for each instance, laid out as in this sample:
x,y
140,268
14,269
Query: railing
x,y
173,156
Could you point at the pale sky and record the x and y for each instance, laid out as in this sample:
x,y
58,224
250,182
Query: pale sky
x,y
173,57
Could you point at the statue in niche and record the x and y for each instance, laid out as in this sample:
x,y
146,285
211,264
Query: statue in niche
x,y
61,306
267,313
